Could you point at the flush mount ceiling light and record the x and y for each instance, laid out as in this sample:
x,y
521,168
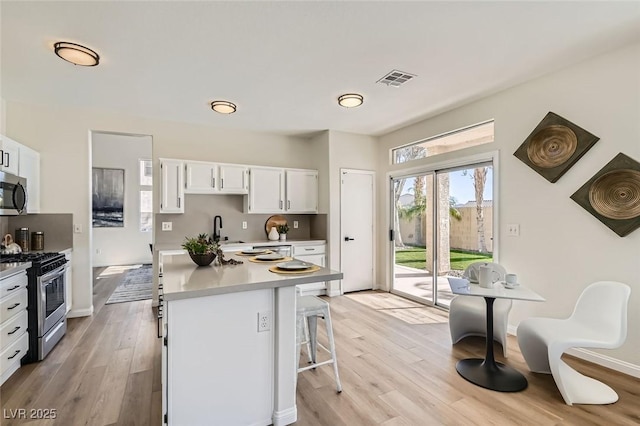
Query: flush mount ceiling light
x,y
76,54
223,107
350,100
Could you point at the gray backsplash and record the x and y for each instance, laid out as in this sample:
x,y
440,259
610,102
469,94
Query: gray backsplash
x,y
57,228
201,209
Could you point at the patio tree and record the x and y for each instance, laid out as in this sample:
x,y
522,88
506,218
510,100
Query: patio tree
x,y
408,153
479,180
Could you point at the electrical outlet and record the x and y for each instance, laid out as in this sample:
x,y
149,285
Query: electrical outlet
x,y
77,228
513,230
167,226
264,321
295,224
244,225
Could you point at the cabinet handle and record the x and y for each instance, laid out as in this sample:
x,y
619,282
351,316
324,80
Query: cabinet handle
x,y
14,330
13,307
289,205
213,182
221,183
7,154
280,204
13,288
178,202
1,157
15,354
309,249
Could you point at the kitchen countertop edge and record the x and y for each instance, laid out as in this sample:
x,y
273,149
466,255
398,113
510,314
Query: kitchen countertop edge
x,y
8,269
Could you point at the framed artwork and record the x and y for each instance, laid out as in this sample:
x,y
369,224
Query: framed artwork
x,y
554,146
108,197
613,195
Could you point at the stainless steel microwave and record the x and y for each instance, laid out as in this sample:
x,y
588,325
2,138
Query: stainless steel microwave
x,y
13,195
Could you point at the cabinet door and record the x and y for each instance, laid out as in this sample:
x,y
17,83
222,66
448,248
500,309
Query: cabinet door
x,y
302,191
266,190
201,178
9,153
29,168
172,186
234,179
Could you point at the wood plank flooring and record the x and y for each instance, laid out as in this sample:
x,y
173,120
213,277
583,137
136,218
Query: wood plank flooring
x,y
396,363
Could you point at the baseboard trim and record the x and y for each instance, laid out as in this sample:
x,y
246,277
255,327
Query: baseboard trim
x,y
75,313
285,417
597,358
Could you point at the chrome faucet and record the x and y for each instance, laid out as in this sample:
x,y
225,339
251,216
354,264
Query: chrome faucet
x,y
216,228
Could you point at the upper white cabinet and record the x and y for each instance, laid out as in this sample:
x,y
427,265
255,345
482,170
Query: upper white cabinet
x,y
200,177
214,178
302,191
29,168
10,153
234,179
266,194
171,186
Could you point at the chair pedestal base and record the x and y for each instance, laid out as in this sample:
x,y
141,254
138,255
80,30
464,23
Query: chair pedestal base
x,y
495,376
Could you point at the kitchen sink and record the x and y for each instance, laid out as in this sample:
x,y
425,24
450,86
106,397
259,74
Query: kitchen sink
x,y
231,242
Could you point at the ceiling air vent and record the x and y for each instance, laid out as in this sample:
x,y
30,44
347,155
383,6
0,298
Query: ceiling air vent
x,y
396,78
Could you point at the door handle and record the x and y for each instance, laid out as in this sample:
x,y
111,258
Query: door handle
x,y
348,239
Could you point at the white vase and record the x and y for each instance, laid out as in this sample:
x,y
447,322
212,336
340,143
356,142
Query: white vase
x,y
283,237
273,234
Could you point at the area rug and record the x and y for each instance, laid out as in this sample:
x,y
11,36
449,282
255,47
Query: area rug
x,y
136,284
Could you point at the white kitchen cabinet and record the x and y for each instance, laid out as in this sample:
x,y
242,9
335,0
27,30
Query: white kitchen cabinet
x,y
68,280
214,178
266,190
314,254
171,186
234,179
29,168
14,338
302,191
10,155
200,177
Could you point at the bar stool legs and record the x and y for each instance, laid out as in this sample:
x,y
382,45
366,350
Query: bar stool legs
x,y
309,309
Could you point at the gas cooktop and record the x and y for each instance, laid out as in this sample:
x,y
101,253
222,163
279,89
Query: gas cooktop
x,y
28,257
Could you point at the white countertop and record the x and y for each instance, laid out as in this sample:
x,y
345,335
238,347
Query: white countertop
x,y
231,246
7,269
183,279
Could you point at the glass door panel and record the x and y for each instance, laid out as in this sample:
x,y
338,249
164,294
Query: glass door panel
x,y
413,237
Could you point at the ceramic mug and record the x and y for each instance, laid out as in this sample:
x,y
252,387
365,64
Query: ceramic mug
x,y
511,279
487,276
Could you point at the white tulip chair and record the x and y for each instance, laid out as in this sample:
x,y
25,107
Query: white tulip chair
x,y
468,314
599,320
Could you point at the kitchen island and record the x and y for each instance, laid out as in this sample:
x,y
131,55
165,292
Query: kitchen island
x,y
229,354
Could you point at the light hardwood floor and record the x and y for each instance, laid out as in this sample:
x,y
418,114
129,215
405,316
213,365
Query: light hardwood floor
x,y
396,363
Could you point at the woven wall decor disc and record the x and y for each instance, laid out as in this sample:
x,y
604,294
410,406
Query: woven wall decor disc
x,y
552,146
616,194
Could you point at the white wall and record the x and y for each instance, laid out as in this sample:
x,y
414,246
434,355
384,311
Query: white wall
x,y
126,245
349,151
62,135
562,248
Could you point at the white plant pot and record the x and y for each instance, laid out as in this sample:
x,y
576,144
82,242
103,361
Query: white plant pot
x,y
273,234
283,237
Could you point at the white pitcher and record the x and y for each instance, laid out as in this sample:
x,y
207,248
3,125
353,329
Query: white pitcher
x,y
487,276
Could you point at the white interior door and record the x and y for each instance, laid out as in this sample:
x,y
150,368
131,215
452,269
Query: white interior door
x,y
357,213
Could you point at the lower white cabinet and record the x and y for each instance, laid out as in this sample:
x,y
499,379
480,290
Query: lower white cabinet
x,y
314,254
14,338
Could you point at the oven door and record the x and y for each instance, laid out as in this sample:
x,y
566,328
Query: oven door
x,y
51,302
13,194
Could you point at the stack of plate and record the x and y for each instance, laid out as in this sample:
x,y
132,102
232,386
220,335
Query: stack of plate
x,y
270,257
294,265
255,251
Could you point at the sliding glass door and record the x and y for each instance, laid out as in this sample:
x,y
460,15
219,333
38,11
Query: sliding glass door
x,y
443,221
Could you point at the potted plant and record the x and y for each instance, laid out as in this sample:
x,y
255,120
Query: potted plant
x,y
282,230
202,249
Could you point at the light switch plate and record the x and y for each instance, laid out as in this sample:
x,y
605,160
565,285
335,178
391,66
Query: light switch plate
x,y
77,228
167,226
513,230
244,224
295,224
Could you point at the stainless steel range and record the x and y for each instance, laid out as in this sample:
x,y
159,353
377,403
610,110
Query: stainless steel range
x,y
47,307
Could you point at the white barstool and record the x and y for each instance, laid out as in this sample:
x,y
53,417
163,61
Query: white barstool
x,y
309,308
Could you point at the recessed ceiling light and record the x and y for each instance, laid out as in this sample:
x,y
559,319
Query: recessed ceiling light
x,y
350,100
223,107
76,54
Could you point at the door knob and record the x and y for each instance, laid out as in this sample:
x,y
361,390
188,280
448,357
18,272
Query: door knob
x,y
348,239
